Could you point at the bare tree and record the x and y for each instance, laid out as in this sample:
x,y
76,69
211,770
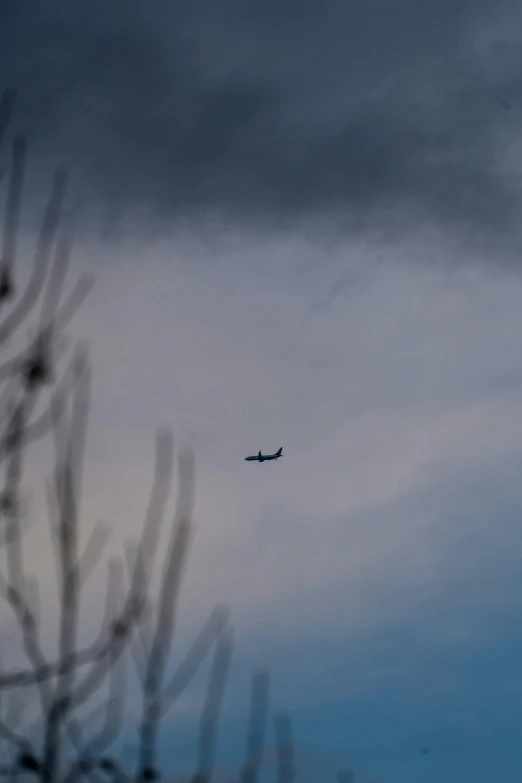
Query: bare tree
x,y
55,737
65,685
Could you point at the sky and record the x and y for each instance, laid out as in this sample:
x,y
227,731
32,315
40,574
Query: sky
x,y
302,218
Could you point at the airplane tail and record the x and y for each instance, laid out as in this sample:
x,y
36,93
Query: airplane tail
x,y
280,452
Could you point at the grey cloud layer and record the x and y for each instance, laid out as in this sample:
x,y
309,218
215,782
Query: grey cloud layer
x,y
276,109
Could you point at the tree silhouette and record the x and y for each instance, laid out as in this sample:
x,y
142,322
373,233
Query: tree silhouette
x,y
59,743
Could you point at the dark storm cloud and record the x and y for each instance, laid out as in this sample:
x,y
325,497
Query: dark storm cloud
x,y
285,108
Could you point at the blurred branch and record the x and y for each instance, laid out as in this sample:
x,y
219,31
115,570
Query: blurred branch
x,y
136,600
77,676
115,702
26,677
12,216
165,621
93,550
212,707
284,748
195,657
34,364
257,720
66,493
42,258
30,636
15,739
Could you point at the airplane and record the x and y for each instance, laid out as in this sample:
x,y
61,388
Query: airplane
x,y
264,457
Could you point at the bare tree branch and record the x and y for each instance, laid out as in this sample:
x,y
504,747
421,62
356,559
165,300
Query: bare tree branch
x,y
137,595
131,619
162,640
69,624
195,657
12,215
26,677
114,705
42,258
255,747
212,707
284,748
29,629
93,550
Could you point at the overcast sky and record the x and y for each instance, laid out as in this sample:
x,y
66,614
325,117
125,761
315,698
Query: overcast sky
x,y
303,217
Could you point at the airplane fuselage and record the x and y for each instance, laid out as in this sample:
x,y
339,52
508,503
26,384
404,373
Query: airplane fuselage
x,y
265,457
